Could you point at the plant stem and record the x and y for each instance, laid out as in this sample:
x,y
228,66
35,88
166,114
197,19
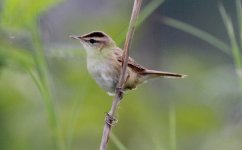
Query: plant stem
x,y
41,79
119,94
172,125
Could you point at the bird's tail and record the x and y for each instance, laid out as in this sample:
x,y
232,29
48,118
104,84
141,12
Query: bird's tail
x,y
163,74
150,74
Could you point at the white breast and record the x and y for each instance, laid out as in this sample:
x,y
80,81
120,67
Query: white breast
x,y
101,71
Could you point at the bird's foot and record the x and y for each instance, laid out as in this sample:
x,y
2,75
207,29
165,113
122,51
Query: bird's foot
x,y
120,92
110,120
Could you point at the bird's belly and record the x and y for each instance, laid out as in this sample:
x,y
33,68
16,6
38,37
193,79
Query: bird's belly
x,y
105,81
103,75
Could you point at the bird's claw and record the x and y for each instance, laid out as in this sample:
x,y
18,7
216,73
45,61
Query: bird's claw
x,y
120,92
110,120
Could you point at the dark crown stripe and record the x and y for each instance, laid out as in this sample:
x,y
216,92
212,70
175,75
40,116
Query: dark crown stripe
x,y
94,34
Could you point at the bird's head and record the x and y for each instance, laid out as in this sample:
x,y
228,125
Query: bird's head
x,y
95,41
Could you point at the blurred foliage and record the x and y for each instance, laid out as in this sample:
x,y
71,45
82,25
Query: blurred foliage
x,y
18,14
46,92
19,20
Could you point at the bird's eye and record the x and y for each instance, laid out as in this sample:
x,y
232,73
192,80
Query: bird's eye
x,y
92,41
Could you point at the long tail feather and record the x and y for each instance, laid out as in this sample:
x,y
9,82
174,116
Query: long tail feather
x,y
153,73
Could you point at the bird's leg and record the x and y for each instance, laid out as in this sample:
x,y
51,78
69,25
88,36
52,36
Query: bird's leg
x,y
110,120
120,90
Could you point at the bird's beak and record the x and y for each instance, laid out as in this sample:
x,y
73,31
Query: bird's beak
x,y
76,37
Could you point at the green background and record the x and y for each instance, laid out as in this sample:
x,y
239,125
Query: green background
x,y
49,101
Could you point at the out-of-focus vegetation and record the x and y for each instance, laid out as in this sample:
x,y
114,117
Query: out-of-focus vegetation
x,y
49,101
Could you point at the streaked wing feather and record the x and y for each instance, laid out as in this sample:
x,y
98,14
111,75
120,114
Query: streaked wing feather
x,y
131,63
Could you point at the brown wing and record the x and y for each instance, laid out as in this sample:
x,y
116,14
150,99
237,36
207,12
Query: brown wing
x,y
131,63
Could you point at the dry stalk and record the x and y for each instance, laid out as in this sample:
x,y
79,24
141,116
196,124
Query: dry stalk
x,y
110,117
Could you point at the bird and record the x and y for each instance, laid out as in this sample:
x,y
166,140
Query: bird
x,y
104,62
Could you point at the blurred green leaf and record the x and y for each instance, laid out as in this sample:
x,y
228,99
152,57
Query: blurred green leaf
x,y
148,10
230,30
239,16
17,14
117,142
197,33
21,58
22,15
144,14
172,126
